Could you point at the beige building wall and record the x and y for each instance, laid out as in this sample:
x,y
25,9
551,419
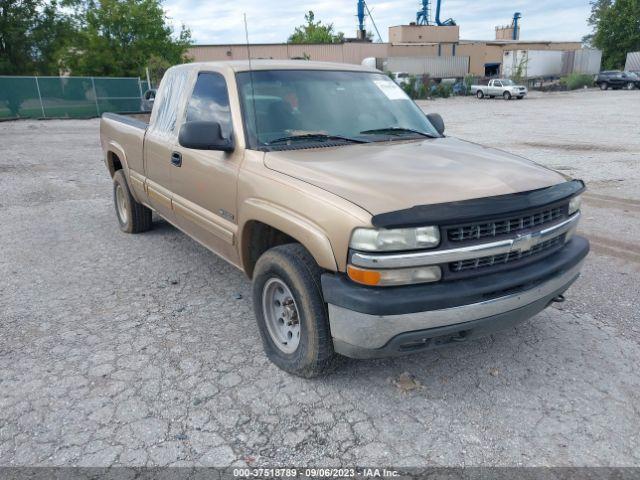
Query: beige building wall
x,y
526,45
424,34
344,53
479,52
429,50
504,33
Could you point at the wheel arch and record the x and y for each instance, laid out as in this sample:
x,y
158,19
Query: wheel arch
x,y
116,159
267,225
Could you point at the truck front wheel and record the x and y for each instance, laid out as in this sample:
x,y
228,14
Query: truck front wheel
x,y
506,96
133,217
291,313
480,94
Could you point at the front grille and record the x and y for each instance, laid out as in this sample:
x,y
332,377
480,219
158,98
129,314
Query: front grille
x,y
496,228
495,260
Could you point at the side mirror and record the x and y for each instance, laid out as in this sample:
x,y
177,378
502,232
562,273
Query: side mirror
x,y
204,136
437,121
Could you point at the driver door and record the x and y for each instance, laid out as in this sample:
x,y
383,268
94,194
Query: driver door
x,y
496,89
204,182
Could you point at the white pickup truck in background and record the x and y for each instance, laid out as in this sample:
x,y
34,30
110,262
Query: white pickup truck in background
x,y
500,87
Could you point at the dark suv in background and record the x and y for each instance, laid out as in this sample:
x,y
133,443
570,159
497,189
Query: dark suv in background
x,y
617,79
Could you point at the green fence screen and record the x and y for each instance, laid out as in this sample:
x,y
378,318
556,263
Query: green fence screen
x,y
68,97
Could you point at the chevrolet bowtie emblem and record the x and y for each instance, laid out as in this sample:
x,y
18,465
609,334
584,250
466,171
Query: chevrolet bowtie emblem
x,y
523,243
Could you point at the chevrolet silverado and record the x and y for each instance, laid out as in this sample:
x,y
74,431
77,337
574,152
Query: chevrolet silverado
x,y
366,231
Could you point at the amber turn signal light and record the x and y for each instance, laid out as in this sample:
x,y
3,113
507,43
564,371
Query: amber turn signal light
x,y
394,277
366,277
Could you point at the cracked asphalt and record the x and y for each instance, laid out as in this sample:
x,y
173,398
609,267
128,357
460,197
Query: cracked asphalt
x,y
137,350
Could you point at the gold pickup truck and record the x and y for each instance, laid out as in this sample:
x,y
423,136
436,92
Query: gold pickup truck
x,y
365,230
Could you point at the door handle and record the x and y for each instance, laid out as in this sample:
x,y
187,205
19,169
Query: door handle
x,y
176,159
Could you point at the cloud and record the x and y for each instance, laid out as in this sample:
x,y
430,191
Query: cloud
x,y
273,21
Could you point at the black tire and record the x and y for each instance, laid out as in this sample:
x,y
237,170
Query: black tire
x,y
135,217
293,265
480,94
519,98
506,96
604,86
630,86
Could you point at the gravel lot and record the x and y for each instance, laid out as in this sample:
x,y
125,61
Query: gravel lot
x,y
138,350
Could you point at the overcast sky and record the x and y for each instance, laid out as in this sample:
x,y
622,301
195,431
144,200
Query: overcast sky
x,y
272,21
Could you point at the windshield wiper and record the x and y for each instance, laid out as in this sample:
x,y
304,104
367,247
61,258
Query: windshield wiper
x,y
396,131
317,137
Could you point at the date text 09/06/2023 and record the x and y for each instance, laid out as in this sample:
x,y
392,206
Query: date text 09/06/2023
x,y
315,473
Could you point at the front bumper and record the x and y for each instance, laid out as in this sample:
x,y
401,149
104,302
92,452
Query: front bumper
x,y
369,322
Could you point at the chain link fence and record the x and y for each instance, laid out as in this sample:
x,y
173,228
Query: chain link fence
x,y
68,97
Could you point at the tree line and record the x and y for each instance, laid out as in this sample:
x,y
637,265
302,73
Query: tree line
x,y
105,37
88,37
616,30
122,37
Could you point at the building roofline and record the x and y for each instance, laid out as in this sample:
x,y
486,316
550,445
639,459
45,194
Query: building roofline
x,y
257,65
403,44
283,44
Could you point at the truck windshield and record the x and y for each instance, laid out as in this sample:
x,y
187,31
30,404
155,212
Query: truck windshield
x,y
283,107
508,83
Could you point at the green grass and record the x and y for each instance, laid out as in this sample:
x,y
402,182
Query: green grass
x,y
576,81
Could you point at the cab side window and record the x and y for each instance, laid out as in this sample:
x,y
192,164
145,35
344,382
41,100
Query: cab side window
x,y
166,104
210,102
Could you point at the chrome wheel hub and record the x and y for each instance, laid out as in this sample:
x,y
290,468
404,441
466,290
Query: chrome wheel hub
x,y
121,205
281,315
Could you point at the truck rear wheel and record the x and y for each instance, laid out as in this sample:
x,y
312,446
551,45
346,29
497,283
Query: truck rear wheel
x,y
290,311
480,94
133,217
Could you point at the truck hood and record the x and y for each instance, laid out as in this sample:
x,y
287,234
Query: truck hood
x,y
389,176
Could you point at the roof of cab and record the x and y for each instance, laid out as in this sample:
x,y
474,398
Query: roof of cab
x,y
243,65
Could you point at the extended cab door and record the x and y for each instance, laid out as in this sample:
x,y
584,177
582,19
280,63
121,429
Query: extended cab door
x,y
204,183
160,139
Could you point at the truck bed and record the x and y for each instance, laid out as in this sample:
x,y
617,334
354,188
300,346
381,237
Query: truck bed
x,y
120,134
131,120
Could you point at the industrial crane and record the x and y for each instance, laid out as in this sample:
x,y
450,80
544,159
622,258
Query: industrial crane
x,y
363,10
516,16
423,17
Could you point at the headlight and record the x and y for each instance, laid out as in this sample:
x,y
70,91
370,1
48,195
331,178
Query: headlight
x,y
372,240
574,204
